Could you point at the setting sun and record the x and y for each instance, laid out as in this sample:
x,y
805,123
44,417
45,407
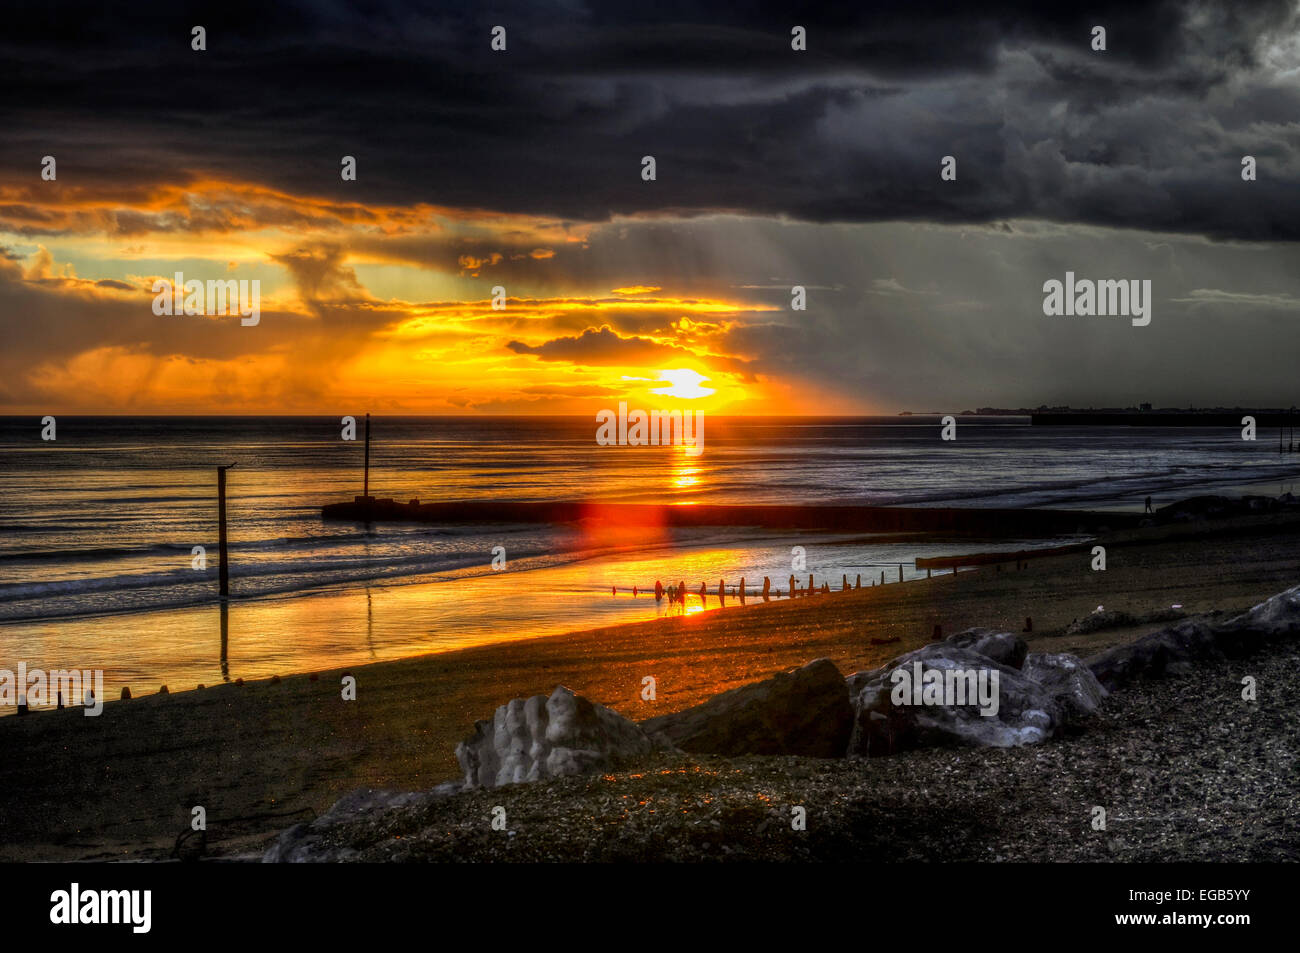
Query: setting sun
x,y
683,383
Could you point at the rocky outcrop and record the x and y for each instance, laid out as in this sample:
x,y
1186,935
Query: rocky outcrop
x,y
1069,682
1173,650
985,689
972,701
540,737
304,843
803,712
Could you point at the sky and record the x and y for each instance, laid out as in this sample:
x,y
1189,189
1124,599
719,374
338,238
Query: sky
x,y
522,170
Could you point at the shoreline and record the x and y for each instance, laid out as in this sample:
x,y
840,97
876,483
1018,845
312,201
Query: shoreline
x,y
954,520
261,755
385,620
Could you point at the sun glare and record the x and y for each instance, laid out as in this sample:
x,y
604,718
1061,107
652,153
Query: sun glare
x,y
682,383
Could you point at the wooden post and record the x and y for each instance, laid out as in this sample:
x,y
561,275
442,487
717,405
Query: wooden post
x,y
223,566
225,641
365,480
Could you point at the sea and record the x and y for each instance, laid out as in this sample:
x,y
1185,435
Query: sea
x,y
108,533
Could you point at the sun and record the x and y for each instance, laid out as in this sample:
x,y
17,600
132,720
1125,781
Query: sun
x,y
682,383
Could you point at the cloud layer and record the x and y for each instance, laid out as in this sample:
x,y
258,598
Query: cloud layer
x,y
1149,133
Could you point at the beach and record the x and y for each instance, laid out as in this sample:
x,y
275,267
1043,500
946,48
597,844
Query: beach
x,y
264,755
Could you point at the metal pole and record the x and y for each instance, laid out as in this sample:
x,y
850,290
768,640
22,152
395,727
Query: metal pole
x,y
365,486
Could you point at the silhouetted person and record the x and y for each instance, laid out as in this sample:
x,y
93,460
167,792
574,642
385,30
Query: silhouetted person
x,y
722,592
1148,504
704,595
742,590
659,590
767,589
792,587
613,590
859,585
634,592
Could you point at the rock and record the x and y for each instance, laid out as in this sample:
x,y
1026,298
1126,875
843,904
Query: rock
x,y
540,737
803,712
305,843
1175,649
1155,655
1276,616
1026,712
1096,621
1214,507
1003,647
1068,680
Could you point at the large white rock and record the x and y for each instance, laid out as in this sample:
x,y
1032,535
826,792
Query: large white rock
x,y
1068,680
1026,711
539,737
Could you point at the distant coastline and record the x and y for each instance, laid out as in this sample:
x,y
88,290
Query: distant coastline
x,y
1143,416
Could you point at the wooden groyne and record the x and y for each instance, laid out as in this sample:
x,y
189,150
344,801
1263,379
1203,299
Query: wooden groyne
x,y
998,558
958,521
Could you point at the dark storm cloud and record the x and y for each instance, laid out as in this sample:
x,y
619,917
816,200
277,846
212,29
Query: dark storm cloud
x,y
601,346
1149,133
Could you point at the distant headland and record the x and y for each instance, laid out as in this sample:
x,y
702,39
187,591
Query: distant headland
x,y
1143,415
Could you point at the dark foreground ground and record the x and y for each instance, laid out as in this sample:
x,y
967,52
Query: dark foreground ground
x,y
1184,768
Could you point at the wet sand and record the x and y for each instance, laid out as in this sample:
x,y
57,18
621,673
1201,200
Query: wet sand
x,y
261,756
